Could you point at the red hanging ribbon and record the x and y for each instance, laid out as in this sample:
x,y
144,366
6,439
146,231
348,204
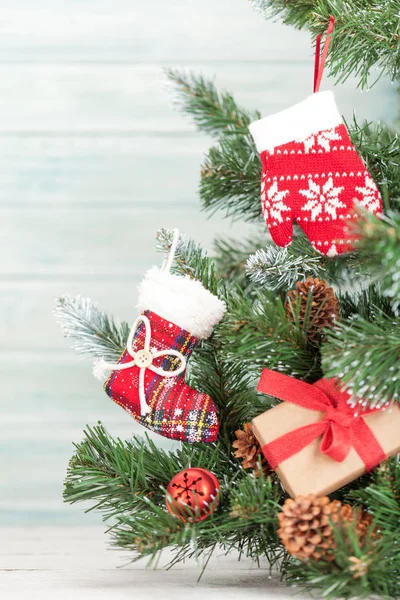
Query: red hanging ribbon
x,y
340,429
319,63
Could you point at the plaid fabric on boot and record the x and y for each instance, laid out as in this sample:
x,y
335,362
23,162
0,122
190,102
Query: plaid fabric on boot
x,y
177,411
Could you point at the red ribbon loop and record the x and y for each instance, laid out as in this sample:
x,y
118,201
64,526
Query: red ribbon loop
x,y
341,418
319,63
339,428
336,441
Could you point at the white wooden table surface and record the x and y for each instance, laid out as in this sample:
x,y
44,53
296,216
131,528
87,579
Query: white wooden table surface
x,y
93,160
74,564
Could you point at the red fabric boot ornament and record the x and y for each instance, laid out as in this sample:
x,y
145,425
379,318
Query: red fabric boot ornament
x,y
149,379
311,172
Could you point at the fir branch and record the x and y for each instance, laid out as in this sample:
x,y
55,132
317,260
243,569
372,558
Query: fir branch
x,y
115,475
254,503
190,259
230,178
379,249
252,534
230,259
366,357
212,111
93,331
368,304
279,269
256,332
149,531
126,482
245,522
298,17
366,35
382,495
232,388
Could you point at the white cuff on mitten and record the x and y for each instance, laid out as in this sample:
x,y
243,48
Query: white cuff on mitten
x,y
181,300
316,113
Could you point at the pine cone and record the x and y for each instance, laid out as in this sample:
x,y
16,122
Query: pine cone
x,y
364,522
362,519
305,525
305,528
248,448
323,308
346,513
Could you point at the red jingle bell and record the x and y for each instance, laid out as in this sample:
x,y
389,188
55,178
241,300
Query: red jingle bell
x,y
193,494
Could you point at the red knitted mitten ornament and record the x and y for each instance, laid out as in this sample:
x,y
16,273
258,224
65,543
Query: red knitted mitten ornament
x,y
149,379
311,172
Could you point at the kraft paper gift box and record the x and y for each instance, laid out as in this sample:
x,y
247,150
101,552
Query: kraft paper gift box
x,y
318,451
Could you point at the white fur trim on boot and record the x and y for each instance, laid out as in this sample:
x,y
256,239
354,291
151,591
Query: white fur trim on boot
x,y
316,113
181,300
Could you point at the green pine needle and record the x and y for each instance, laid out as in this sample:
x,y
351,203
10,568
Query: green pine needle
x,y
93,331
365,41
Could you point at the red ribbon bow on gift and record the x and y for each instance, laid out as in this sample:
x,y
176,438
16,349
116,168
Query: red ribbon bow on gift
x,y
340,428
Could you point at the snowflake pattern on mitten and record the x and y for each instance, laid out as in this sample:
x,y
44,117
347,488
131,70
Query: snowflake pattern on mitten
x,y
273,202
368,196
322,199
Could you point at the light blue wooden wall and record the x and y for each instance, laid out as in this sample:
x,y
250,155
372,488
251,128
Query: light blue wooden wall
x,y
93,160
